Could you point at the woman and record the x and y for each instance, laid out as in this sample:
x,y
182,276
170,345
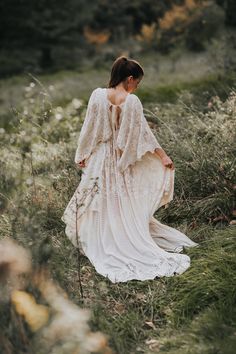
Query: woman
x,y
126,177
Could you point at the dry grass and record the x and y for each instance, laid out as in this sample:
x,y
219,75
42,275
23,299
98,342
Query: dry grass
x,y
190,313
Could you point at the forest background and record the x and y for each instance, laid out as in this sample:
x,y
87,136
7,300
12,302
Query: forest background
x,y
53,54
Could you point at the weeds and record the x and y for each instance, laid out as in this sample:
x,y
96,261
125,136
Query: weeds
x,y
191,313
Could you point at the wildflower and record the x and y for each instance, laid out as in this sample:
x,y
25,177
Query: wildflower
x,y
36,315
58,116
14,260
209,104
76,103
69,323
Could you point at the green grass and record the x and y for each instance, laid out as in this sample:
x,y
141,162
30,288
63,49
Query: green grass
x,y
188,314
192,311
202,90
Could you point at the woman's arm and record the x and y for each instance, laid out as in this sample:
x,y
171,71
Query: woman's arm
x,y
160,152
80,163
166,160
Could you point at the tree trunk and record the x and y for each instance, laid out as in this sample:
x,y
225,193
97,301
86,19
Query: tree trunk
x,y
46,60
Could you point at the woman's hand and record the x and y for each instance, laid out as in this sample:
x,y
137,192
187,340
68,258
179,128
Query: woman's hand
x,y
80,164
167,162
165,159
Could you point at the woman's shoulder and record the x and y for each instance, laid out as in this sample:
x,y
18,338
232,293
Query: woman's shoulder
x,y
99,92
134,97
135,100
96,91
95,95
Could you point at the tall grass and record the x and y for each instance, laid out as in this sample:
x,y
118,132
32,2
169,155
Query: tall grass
x,y
191,313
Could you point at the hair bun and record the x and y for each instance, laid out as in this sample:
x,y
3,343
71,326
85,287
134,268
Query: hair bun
x,y
122,58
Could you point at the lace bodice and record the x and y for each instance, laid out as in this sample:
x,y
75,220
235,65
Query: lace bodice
x,y
134,136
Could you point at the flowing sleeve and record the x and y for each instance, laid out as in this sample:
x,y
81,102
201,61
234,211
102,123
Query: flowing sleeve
x,y
95,129
135,137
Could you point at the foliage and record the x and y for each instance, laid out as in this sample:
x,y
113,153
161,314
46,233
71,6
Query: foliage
x,y
193,22
45,321
230,8
96,37
46,36
204,148
190,313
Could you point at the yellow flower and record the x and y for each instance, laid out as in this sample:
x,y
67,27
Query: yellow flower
x,y
35,315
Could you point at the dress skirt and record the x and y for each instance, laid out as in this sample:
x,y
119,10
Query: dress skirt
x,y
110,217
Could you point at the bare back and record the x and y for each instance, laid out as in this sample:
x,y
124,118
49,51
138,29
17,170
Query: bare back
x,y
115,97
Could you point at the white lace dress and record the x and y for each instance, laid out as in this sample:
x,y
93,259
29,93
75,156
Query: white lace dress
x,y
110,215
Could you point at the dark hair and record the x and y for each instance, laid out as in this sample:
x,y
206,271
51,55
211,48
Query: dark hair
x,y
122,68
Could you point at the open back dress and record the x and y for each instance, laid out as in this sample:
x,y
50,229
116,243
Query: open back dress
x,y
110,215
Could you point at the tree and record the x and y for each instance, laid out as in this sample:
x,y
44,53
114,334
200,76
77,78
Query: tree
x,y
42,25
123,18
230,11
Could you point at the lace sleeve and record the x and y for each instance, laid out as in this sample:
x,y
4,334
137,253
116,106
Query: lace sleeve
x,y
135,137
95,129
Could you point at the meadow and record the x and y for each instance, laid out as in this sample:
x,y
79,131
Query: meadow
x,y
195,121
